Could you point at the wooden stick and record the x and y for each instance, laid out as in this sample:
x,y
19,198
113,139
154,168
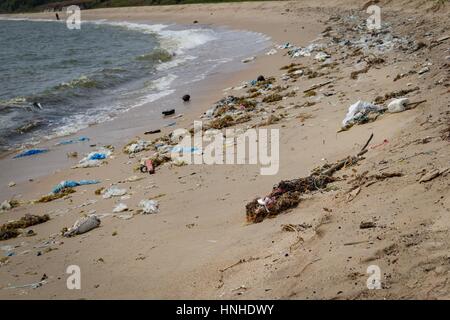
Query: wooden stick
x,y
317,86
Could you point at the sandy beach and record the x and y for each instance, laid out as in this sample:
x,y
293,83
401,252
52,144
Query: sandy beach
x,y
389,209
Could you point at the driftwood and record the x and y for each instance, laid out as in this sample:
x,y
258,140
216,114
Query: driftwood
x,y
316,86
287,193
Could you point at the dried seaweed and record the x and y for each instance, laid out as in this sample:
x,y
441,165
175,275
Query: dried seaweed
x,y
53,196
287,193
272,98
11,229
394,94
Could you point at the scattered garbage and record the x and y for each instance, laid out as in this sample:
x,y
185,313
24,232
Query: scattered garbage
x,y
113,192
82,226
8,205
423,70
71,184
249,59
367,224
271,52
153,131
11,184
37,105
136,146
120,208
398,105
168,112
148,167
94,159
322,56
149,206
361,112
34,285
12,229
186,98
30,152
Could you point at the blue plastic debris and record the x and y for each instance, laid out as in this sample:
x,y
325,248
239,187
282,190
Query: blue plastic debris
x,y
80,139
97,156
30,153
71,183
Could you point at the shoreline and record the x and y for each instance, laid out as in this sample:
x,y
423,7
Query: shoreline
x,y
199,245
209,90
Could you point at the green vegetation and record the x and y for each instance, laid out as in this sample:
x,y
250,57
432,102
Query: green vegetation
x,y
11,6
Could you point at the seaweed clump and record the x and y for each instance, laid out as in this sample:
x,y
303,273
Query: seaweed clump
x,y
12,229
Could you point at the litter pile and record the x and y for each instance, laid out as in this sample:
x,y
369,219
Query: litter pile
x,y
94,159
287,194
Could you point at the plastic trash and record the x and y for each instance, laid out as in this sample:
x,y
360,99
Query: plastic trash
x,y
93,159
249,59
29,285
88,164
168,112
287,45
322,56
149,206
97,156
5,206
83,225
71,184
271,52
186,98
139,146
148,167
114,192
357,112
30,152
153,131
120,208
398,105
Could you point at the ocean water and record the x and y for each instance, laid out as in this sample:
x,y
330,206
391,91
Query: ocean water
x,y
84,77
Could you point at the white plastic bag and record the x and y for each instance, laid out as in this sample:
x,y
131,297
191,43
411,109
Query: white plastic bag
x,y
358,109
398,105
149,206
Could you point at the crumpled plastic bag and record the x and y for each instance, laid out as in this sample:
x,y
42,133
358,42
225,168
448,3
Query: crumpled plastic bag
x,y
358,111
94,159
120,208
139,146
71,183
83,225
149,206
113,192
398,105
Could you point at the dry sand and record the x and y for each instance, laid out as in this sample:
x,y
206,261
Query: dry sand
x,y
199,244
